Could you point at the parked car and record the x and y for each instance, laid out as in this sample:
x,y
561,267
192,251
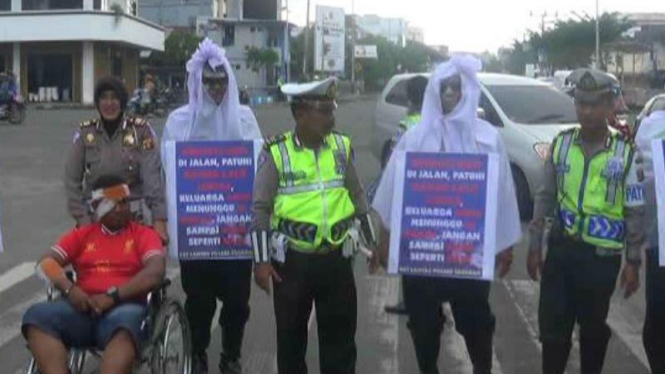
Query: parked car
x,y
529,114
655,103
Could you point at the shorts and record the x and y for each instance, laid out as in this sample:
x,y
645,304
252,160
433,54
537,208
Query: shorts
x,y
82,330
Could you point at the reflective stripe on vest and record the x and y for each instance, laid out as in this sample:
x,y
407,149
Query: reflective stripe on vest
x,y
312,206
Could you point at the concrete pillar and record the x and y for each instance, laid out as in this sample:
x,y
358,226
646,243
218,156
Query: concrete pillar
x,y
88,5
88,73
16,64
16,5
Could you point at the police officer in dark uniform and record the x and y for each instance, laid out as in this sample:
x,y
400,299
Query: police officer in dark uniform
x,y
120,145
306,199
585,216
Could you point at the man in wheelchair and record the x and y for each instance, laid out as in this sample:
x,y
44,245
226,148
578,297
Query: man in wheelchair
x,y
117,262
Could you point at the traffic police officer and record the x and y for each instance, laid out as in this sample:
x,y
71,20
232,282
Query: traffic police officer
x,y
307,197
585,216
119,145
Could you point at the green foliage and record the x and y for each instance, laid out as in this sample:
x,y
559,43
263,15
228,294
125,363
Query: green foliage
x,y
261,57
178,48
568,45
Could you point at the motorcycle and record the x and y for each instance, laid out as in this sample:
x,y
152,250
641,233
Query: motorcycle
x,y
156,106
14,111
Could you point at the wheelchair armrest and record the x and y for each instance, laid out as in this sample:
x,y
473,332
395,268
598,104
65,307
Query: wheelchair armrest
x,y
158,290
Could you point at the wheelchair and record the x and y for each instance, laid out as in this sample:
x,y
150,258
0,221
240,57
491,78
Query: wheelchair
x,y
167,349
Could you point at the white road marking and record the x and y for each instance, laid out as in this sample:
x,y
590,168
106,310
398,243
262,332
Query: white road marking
x,y
16,275
627,323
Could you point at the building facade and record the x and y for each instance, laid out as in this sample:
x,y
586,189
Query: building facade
x,y
237,37
58,49
179,13
396,30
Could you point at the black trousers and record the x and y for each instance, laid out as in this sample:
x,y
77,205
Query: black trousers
x,y
205,282
327,282
474,320
576,287
653,334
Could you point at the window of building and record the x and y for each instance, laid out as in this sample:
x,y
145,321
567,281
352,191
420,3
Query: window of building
x,y
97,4
116,66
229,36
252,29
51,4
50,76
238,67
5,5
3,67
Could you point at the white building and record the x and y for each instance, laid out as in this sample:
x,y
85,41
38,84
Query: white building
x,y
396,30
416,34
58,49
642,51
238,36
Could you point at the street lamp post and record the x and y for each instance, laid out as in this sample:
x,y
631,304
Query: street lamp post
x,y
597,37
353,47
304,62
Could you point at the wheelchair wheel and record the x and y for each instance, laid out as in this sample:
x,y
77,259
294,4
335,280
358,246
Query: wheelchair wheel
x,y
32,367
171,353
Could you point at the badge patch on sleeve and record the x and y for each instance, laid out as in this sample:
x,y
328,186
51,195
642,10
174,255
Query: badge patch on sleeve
x,y
149,144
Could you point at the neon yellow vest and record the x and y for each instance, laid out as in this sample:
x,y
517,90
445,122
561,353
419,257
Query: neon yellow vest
x,y
591,192
312,206
410,121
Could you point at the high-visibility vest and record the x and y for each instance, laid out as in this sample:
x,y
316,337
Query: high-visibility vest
x,y
591,193
312,206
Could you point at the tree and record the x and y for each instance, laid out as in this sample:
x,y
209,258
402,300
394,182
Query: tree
x,y
572,43
178,48
259,58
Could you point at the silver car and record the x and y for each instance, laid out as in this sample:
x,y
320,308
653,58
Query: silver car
x,y
529,114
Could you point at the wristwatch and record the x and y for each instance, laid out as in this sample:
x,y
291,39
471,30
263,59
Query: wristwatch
x,y
114,293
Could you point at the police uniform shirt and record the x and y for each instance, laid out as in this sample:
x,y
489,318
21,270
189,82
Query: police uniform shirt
x,y
131,153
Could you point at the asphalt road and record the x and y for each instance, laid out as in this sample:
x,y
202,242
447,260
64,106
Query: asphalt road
x,y
33,216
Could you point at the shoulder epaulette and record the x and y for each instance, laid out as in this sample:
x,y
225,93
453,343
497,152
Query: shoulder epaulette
x,y
90,123
272,140
137,121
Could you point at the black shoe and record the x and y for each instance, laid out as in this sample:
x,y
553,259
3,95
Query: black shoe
x,y
399,308
229,366
200,363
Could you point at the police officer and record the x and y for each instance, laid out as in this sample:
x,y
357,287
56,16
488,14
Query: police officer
x,y
306,199
450,123
653,333
115,144
585,216
214,113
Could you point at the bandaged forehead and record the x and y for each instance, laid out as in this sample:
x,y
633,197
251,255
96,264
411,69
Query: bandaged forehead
x,y
214,73
115,193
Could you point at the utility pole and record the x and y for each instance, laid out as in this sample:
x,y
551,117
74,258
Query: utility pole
x,y
306,54
597,36
353,47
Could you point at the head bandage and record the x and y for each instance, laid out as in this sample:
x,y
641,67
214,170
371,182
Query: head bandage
x,y
107,199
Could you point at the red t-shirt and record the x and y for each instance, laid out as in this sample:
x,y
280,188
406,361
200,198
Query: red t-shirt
x,y
103,259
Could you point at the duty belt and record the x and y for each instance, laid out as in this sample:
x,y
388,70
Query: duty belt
x,y
306,232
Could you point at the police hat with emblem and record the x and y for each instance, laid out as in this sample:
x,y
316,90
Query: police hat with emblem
x,y
592,86
318,94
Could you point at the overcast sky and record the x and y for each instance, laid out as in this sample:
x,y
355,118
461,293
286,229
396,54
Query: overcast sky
x,y
475,25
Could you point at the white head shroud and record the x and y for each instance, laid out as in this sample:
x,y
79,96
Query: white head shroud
x,y
209,120
454,131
